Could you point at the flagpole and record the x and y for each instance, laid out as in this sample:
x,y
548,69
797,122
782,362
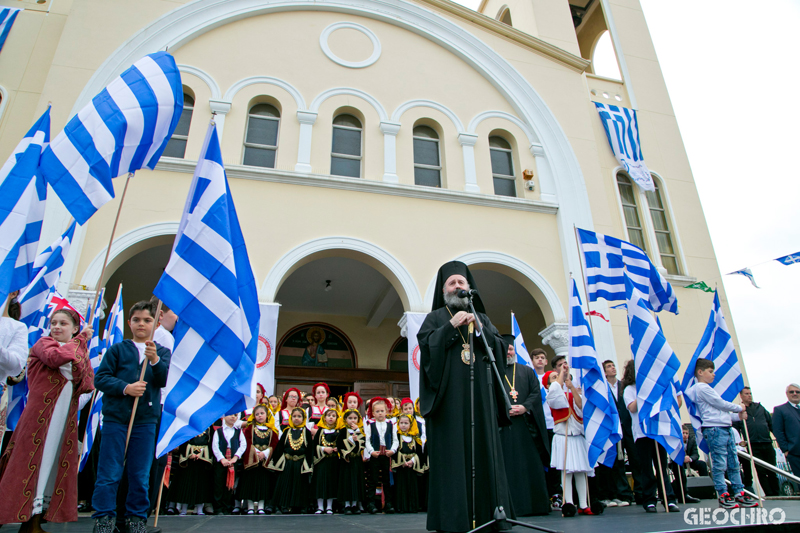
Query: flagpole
x,y
681,470
661,470
94,392
161,490
753,471
141,378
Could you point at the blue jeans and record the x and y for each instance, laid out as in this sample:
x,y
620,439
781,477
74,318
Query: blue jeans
x,y
723,459
141,450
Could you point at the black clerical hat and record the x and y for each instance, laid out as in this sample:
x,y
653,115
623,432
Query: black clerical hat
x,y
450,269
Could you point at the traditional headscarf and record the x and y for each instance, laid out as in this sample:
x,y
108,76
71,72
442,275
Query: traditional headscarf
x,y
277,409
416,407
270,422
395,408
348,395
413,431
450,269
338,405
360,419
285,394
322,424
546,379
305,416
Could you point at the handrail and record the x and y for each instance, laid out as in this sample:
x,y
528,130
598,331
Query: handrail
x,y
768,466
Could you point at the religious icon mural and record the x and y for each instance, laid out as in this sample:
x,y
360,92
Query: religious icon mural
x,y
318,345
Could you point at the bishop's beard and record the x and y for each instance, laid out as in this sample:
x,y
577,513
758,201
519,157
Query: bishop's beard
x,y
459,304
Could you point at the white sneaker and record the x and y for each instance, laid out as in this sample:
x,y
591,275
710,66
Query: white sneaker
x,y
621,503
609,503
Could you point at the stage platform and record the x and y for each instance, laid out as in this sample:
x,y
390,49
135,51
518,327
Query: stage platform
x,y
614,520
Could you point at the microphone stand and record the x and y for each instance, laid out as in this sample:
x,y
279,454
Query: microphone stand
x,y
499,512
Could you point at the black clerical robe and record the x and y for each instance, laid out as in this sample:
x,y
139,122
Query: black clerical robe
x,y
445,404
526,448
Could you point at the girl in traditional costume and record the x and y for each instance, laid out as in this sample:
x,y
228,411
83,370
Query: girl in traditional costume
x,y
407,465
39,469
566,403
291,399
293,459
350,443
412,409
257,483
274,404
321,393
194,483
326,461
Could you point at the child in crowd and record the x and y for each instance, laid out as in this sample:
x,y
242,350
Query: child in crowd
x,y
380,444
352,402
291,399
407,465
293,459
566,404
646,448
350,443
716,415
321,393
333,403
192,484
326,461
228,446
257,482
274,404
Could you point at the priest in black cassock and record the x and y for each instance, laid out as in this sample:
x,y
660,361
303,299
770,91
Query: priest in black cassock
x,y
445,403
526,448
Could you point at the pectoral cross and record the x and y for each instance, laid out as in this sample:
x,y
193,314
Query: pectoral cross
x,y
513,394
465,355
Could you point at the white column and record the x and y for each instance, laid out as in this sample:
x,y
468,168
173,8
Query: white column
x,y
306,120
221,108
390,130
547,185
468,141
556,336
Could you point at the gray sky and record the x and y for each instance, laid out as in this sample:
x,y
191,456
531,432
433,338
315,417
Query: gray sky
x,y
732,76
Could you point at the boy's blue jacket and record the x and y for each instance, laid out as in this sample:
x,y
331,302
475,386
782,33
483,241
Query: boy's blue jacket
x,y
119,368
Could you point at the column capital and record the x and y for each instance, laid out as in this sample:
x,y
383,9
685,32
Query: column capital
x,y
467,139
537,150
306,117
81,300
390,128
556,336
220,107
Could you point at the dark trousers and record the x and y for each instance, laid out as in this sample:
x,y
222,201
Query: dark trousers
x,y
379,474
629,446
136,464
768,478
679,474
552,475
612,483
794,463
223,497
651,483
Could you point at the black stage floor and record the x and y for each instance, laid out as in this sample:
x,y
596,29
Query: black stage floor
x,y
623,520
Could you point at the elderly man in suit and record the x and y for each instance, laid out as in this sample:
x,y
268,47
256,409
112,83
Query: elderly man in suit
x,y
786,427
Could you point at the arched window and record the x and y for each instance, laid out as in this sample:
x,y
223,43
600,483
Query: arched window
x,y
627,195
427,163
502,167
658,214
346,147
261,139
505,18
176,147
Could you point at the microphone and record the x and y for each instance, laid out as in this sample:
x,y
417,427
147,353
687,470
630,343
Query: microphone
x,y
461,293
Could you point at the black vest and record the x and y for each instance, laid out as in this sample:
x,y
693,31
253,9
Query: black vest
x,y
375,439
233,444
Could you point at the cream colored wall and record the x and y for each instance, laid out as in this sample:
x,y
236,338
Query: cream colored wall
x,y
523,17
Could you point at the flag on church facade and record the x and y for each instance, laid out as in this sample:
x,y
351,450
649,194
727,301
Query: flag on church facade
x,y
520,349
656,366
22,196
746,272
622,131
609,262
7,17
123,129
209,284
600,416
716,345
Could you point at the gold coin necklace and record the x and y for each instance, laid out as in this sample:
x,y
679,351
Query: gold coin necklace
x,y
465,355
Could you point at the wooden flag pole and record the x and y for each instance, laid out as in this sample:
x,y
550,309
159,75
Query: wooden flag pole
x,y
158,500
680,482
661,470
753,464
141,378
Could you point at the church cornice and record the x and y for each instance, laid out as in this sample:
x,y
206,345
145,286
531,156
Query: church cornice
x,y
519,37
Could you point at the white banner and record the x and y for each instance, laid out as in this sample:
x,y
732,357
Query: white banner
x,y
267,347
413,323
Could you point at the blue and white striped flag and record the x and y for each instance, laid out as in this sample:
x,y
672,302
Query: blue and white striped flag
x,y
17,399
123,129
34,298
7,17
746,272
656,366
523,357
600,416
622,131
209,284
113,334
716,345
609,261
22,196
790,259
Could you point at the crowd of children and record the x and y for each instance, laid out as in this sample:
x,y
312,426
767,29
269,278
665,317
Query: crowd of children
x,y
284,457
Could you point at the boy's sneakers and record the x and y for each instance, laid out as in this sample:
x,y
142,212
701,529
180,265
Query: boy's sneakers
x,y
744,500
650,508
104,524
673,507
726,501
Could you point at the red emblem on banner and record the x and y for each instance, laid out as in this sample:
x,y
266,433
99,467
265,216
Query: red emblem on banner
x,y
415,357
264,352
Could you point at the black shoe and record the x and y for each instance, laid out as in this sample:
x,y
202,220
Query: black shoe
x,y
673,507
356,510
347,511
692,499
388,509
568,510
104,524
371,509
268,509
650,508
136,524
171,511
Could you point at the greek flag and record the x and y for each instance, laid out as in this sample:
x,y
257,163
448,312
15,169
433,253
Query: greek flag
x,y
746,272
22,195
610,262
717,346
656,366
209,284
622,131
600,416
789,259
17,399
113,334
523,357
35,298
124,128
7,17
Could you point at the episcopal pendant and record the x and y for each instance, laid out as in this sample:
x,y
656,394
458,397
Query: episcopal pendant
x,y
465,355
513,394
